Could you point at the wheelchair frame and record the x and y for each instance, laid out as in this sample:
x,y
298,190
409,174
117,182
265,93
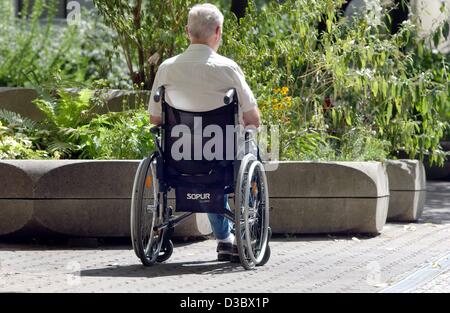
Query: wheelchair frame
x,y
255,213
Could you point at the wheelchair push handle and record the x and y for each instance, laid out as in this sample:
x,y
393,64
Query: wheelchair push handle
x,y
159,93
229,97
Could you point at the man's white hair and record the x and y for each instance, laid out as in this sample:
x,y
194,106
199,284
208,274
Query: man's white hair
x,y
203,21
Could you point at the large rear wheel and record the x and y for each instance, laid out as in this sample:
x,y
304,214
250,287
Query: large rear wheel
x,y
146,213
252,213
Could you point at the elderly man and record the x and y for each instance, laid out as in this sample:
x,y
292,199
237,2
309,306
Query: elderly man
x,y
196,81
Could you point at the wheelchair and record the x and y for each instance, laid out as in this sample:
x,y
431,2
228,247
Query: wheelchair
x,y
200,185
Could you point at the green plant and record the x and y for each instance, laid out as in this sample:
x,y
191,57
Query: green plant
x,y
351,92
148,32
73,130
117,135
42,53
16,137
354,69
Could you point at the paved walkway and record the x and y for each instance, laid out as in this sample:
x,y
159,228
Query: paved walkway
x,y
405,257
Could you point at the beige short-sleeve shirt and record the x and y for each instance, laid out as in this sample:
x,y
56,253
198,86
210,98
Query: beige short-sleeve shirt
x,y
197,80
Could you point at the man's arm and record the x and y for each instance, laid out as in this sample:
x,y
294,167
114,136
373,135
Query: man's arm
x,y
155,120
246,98
154,107
252,118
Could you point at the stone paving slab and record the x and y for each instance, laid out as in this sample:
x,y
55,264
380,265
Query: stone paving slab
x,y
298,264
439,285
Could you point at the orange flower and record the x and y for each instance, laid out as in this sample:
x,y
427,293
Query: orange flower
x,y
288,101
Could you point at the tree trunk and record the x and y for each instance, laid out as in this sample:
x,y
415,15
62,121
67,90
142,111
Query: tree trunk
x,y
140,49
238,7
399,15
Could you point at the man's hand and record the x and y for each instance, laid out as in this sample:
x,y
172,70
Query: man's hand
x,y
155,120
252,118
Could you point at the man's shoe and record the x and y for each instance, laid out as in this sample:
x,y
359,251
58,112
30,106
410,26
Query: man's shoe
x,y
235,255
224,251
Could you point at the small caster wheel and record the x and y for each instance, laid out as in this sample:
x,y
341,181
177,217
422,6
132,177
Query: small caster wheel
x,y
266,257
166,252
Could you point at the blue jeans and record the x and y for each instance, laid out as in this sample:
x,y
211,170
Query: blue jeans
x,y
221,226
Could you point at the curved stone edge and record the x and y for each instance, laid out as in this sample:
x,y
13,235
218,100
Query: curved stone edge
x,y
20,100
406,206
406,175
329,197
407,180
15,182
63,197
74,179
88,217
34,169
81,218
112,179
14,215
101,218
16,191
328,215
328,180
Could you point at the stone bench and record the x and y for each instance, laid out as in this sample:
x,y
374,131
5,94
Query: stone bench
x,y
328,197
407,184
92,198
74,198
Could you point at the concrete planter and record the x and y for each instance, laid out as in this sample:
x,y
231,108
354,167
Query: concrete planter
x,y
407,183
328,197
20,100
73,198
92,198
435,172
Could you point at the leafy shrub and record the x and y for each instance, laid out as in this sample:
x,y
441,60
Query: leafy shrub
x,y
16,137
123,135
353,74
73,131
39,52
351,92
148,32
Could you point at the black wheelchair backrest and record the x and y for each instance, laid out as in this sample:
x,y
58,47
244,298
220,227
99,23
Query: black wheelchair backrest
x,y
199,147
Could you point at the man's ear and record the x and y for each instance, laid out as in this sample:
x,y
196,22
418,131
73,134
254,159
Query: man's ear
x,y
218,31
187,31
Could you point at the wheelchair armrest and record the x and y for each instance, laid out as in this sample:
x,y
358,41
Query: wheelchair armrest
x,y
159,93
155,130
229,97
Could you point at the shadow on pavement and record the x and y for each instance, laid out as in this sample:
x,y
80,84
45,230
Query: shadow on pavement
x,y
65,243
437,205
319,237
165,269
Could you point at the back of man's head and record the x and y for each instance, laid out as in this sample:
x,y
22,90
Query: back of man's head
x,y
203,21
